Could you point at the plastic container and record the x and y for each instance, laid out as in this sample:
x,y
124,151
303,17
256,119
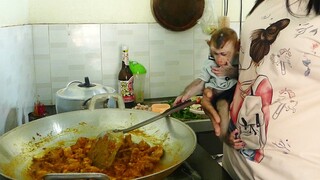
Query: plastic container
x,y
159,108
139,78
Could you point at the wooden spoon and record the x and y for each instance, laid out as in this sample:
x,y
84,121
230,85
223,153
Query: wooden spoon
x,y
107,144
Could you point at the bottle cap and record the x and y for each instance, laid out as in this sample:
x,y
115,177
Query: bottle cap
x,y
137,68
124,47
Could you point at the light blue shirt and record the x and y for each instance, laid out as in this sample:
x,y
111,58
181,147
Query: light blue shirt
x,y
212,80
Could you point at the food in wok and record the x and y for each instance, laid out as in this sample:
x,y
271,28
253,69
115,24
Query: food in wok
x,y
19,146
132,160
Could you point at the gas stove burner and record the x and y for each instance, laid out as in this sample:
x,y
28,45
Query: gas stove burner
x,y
218,158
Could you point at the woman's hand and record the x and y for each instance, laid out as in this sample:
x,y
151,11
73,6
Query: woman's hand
x,y
234,141
210,111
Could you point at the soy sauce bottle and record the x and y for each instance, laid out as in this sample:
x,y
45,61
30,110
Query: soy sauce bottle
x,y
125,80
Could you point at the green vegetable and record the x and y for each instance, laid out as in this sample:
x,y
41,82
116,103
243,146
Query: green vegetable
x,y
185,113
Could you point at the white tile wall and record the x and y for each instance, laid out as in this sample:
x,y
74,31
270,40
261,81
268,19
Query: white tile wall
x,y
17,92
135,36
70,52
37,60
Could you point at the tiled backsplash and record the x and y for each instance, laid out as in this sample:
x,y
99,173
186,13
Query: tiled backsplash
x,y
38,60
17,76
70,52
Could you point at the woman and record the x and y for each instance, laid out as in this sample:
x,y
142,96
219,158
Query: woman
x,y
274,114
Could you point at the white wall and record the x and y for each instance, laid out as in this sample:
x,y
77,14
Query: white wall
x,y
17,12
16,64
14,12
90,11
111,11
36,40
17,76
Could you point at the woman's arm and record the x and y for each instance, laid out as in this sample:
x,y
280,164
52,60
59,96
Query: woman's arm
x,y
194,88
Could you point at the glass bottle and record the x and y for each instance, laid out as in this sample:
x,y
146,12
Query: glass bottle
x,y
125,80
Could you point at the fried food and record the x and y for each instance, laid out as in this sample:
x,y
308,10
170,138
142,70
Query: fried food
x,y
132,160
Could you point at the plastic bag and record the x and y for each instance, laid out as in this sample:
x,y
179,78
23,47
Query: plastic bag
x,y
209,19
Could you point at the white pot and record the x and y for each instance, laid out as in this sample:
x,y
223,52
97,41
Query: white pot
x,y
76,95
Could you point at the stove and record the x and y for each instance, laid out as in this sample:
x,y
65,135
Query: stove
x,y
204,162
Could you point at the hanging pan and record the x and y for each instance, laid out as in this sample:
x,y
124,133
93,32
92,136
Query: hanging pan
x,y
177,15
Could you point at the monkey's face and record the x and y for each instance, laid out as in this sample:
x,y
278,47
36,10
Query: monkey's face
x,y
223,55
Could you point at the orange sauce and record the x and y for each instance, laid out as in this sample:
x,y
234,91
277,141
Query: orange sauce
x,y
132,160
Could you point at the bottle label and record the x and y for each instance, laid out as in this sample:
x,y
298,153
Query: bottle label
x,y
126,90
125,57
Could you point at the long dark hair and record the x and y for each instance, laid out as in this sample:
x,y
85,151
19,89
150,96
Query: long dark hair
x,y
312,5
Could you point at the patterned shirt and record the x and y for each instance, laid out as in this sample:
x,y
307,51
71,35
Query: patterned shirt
x,y
276,103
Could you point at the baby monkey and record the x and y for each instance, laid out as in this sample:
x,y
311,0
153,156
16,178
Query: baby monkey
x,y
219,73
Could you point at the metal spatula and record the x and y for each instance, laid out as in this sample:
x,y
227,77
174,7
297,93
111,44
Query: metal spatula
x,y
107,144
76,176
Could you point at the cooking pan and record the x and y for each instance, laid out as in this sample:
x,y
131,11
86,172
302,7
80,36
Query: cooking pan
x,y
20,145
177,15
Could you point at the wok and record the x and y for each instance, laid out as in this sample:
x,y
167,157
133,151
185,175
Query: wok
x,y
20,145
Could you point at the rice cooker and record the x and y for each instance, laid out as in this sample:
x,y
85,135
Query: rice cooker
x,y
76,94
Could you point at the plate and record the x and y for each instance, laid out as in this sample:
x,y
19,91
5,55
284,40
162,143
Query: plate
x,y
177,15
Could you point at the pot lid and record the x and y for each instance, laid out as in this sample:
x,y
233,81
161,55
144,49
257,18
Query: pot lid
x,y
177,15
78,90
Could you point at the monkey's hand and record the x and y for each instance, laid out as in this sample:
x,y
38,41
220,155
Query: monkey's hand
x,y
226,70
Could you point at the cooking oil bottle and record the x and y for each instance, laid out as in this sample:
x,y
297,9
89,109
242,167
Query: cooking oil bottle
x,y
125,80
